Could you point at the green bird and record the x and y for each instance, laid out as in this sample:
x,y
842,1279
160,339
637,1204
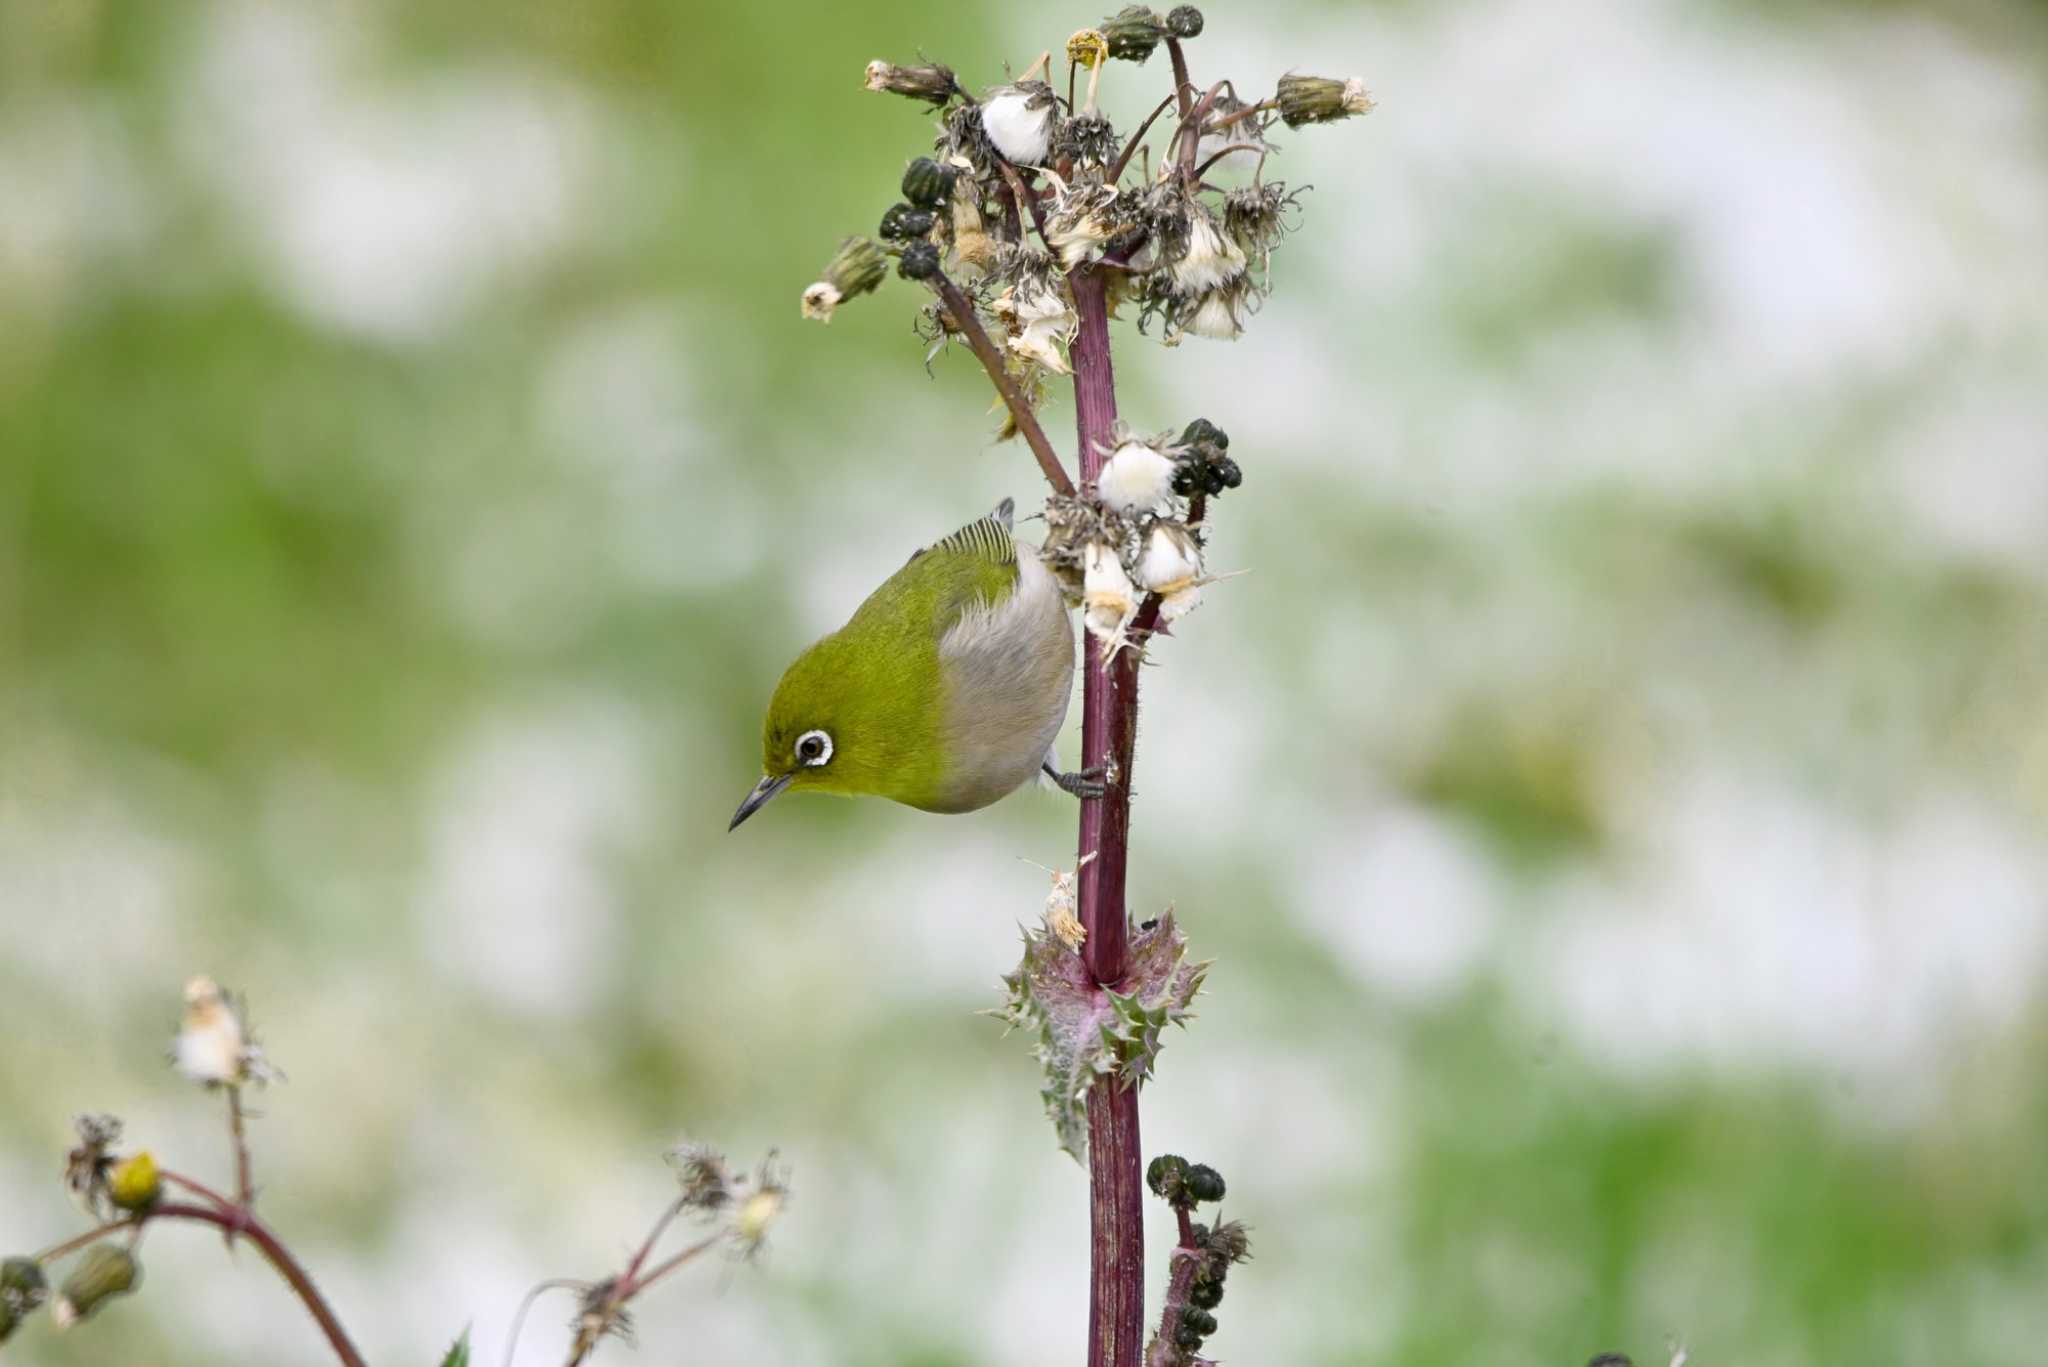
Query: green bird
x,y
943,691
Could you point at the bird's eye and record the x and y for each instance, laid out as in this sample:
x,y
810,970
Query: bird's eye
x,y
813,748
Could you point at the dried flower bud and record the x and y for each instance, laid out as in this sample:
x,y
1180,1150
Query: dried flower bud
x,y
1040,322
102,1274
1252,217
1184,21
1227,1243
22,1289
86,1167
1205,1183
1019,121
1207,1295
920,261
857,268
1108,598
1133,33
904,221
1217,313
1318,99
1186,1337
135,1183
1137,477
1199,1320
926,183
933,84
1170,561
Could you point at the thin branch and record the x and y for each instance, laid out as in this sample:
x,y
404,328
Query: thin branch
x,y
1181,84
662,1270
197,1188
1116,172
962,309
1189,134
1247,112
244,1193
519,1319
1203,169
91,1236
1020,200
654,1236
244,1221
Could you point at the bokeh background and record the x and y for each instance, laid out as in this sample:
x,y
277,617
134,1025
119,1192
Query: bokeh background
x,y
1617,798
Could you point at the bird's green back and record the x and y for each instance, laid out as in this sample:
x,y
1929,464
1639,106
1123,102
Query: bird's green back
x,y
876,685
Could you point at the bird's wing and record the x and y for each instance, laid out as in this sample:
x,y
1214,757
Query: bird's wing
x,y
974,567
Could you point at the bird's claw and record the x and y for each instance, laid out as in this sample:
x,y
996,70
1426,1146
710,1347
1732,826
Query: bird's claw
x,y
1087,784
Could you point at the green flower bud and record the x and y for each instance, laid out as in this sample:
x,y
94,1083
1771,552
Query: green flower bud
x,y
933,84
857,268
1184,21
102,1274
135,1184
22,1289
920,261
902,222
1164,1175
1204,1183
1133,33
1207,1295
926,183
1318,99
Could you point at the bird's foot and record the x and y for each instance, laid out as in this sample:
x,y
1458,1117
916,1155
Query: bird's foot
x,y
1086,784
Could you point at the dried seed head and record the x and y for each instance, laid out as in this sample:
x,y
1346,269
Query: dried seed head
x,y
1184,21
1089,139
1133,33
855,269
1170,559
1088,215
1253,217
1206,259
933,84
86,1166
1319,99
966,141
1040,322
102,1274
1108,598
1137,477
703,1176
1019,121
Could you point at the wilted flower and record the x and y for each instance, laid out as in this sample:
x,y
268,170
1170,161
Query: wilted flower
x,y
934,84
1040,322
1060,921
214,1047
1090,139
1252,217
1217,312
102,1274
1108,598
759,1209
703,1176
1206,258
1019,121
1137,476
856,268
1318,99
87,1166
1086,217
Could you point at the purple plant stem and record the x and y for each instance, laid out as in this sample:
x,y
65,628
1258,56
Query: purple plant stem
x,y
1109,712
241,1221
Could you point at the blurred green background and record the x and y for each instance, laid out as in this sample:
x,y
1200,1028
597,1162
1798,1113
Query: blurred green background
x,y
1616,798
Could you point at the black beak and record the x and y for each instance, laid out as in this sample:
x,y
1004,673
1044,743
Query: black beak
x,y
768,787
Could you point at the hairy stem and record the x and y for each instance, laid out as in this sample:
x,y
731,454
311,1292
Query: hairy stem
x,y
1109,693
962,309
244,1182
243,1221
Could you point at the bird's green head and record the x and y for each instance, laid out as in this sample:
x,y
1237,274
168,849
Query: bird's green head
x,y
852,716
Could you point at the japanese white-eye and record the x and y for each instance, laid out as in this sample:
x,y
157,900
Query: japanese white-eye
x,y
944,691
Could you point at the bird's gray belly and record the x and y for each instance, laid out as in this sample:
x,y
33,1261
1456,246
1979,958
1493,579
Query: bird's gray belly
x,y
1007,689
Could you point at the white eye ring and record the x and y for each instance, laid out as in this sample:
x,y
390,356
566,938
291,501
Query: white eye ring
x,y
813,756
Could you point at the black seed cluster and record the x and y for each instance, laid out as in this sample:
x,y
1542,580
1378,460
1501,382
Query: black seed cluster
x,y
920,261
1207,467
